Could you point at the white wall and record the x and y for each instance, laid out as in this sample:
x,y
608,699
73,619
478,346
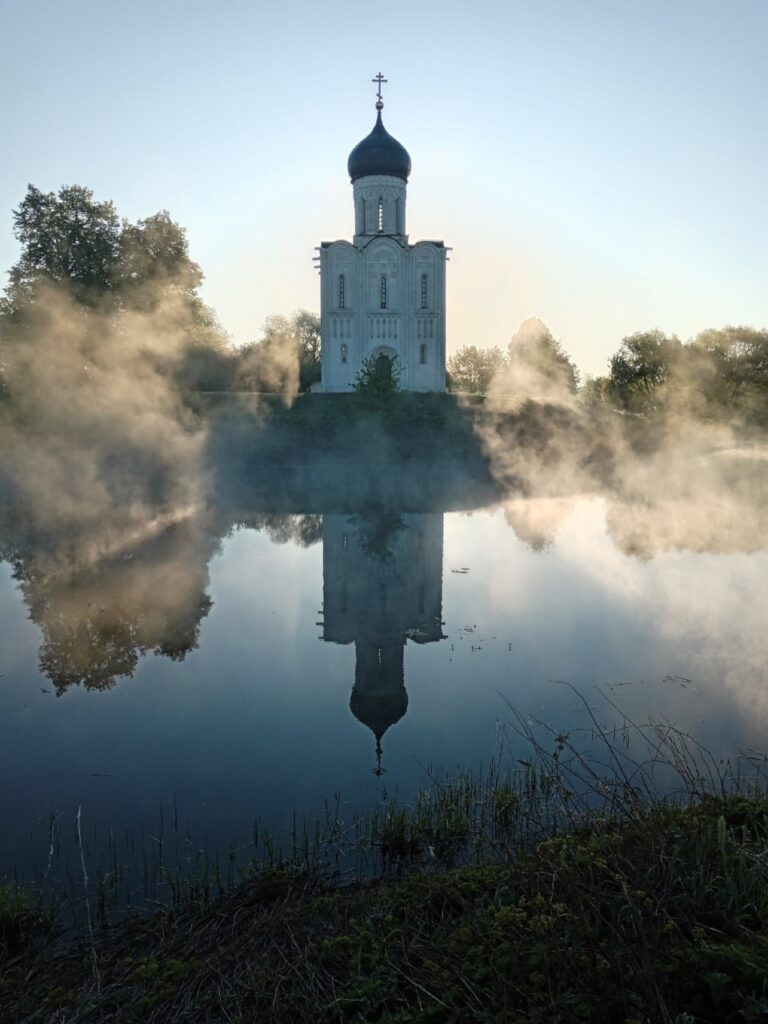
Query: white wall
x,y
361,324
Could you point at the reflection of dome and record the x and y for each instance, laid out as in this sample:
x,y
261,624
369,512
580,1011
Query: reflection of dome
x,y
378,712
379,153
379,698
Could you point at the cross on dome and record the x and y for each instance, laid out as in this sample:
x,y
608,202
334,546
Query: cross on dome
x,y
380,80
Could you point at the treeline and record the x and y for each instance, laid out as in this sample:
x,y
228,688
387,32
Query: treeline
x,y
719,375
93,286
84,270
86,278
534,360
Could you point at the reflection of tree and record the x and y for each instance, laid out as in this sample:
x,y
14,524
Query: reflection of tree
x,y
377,533
536,521
100,614
714,505
304,530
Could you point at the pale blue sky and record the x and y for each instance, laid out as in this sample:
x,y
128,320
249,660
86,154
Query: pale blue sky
x,y
601,165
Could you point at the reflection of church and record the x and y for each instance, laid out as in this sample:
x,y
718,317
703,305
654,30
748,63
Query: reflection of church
x,y
382,584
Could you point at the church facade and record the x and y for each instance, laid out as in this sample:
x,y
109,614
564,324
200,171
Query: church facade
x,y
381,297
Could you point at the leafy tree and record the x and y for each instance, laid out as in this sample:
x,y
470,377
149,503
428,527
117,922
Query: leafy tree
x,y
538,362
378,377
68,238
306,327
640,368
154,260
737,361
73,243
472,369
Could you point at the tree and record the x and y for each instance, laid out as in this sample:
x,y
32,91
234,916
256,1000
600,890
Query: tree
x,y
306,327
154,260
538,364
472,369
286,358
734,377
67,238
641,367
378,377
75,251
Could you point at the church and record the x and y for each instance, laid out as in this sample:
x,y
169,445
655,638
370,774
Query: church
x,y
381,297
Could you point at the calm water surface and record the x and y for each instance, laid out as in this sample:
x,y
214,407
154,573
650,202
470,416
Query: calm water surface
x,y
246,666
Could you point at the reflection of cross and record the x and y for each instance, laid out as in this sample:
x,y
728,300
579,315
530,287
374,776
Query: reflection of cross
x,y
380,79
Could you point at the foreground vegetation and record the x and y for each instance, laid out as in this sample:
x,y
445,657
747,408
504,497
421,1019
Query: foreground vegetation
x,y
660,918
559,890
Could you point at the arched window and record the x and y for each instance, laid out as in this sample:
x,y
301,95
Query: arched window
x,y
380,214
344,353
423,291
342,284
422,354
383,291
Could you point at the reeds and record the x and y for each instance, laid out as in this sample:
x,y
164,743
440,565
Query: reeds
x,y
613,873
608,773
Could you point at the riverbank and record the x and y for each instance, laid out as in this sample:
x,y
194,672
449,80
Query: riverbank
x,y
661,916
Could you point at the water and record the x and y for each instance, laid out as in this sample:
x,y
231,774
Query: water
x,y
232,664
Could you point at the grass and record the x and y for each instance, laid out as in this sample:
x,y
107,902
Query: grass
x,y
563,888
405,425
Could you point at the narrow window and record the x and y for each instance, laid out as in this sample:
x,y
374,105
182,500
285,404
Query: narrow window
x,y
381,214
344,353
422,353
383,291
423,291
341,291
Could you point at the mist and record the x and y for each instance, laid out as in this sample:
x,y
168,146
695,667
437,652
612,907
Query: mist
x,y
688,471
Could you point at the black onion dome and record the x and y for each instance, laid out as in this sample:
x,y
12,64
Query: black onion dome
x,y
379,153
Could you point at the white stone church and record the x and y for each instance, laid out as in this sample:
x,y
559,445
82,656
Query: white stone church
x,y
379,294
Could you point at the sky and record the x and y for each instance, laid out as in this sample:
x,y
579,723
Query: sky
x,y
601,165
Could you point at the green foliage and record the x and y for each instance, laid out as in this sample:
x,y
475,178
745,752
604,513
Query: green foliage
x,y
641,367
734,374
472,369
661,917
721,375
66,238
74,248
70,239
378,532
378,377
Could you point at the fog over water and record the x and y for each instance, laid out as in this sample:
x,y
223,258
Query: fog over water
x,y
251,657
208,615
